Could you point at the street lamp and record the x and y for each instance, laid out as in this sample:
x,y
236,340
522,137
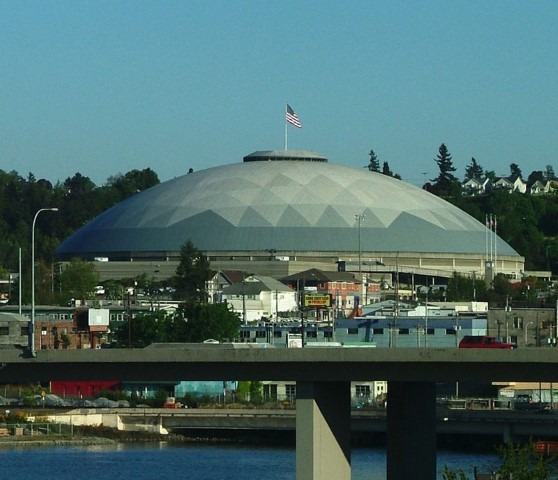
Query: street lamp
x,y
32,333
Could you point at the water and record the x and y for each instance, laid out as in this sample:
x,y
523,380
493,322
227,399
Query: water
x,y
195,462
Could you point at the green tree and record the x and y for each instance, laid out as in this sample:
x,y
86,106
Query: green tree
x,y
522,462
192,273
143,330
202,321
78,279
473,170
515,171
549,173
386,170
132,182
536,175
243,391
374,164
462,288
192,323
518,462
388,173
449,474
445,184
256,392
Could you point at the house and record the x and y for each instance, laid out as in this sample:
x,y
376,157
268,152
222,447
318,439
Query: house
x,y
348,293
220,280
539,187
512,184
14,330
476,186
258,297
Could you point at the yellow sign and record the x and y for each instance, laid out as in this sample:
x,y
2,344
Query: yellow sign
x,y
314,300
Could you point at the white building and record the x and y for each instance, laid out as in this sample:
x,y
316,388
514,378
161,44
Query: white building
x,y
258,297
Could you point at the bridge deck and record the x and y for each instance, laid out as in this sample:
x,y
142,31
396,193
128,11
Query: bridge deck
x,y
325,364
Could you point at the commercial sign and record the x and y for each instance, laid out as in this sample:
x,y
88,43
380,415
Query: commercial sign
x,y
315,300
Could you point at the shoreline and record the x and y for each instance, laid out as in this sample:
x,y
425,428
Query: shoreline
x,y
53,440
87,436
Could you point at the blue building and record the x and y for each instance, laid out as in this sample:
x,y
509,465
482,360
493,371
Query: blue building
x,y
441,332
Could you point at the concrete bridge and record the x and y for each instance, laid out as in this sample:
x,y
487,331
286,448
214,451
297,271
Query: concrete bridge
x,y
323,379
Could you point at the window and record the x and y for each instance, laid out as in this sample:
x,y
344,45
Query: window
x,y
352,331
277,334
362,390
403,331
378,331
450,331
270,391
24,331
328,334
311,334
517,322
429,331
290,391
244,334
260,334
4,330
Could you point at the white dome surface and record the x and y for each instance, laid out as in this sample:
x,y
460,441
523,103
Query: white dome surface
x,y
289,205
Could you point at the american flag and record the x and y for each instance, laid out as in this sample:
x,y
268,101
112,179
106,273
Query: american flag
x,y
292,117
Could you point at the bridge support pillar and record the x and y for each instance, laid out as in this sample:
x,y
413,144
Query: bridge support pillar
x,y
411,430
323,430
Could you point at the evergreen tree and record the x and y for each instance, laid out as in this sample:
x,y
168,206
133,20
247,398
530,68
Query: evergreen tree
x,y
515,171
534,176
446,183
549,173
191,274
473,170
386,170
374,165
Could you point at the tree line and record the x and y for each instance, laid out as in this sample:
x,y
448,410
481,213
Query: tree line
x,y
528,223
447,184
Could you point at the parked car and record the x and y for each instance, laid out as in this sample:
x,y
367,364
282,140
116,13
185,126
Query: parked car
x,y
484,341
525,402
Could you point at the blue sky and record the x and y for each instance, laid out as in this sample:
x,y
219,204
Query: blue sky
x,y
103,87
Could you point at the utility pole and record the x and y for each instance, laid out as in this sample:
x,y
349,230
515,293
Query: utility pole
x,y
359,218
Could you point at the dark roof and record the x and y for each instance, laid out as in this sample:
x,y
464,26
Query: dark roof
x,y
320,276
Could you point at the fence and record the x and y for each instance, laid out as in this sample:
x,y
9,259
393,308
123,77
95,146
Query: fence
x,y
17,429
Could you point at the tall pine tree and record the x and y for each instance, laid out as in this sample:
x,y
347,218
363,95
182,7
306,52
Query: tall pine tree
x,y
446,184
191,274
473,170
374,165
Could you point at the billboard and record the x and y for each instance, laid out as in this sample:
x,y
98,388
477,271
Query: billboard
x,y
317,300
99,317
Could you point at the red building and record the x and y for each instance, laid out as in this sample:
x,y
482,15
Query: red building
x,y
82,389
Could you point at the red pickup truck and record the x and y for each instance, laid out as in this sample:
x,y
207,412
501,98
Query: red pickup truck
x,y
483,341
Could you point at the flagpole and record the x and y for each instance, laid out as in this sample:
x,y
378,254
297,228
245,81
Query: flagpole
x,y
286,129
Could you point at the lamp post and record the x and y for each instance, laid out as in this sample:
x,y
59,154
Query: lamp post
x,y
32,327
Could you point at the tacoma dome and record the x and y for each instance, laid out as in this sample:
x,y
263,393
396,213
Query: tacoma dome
x,y
281,212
